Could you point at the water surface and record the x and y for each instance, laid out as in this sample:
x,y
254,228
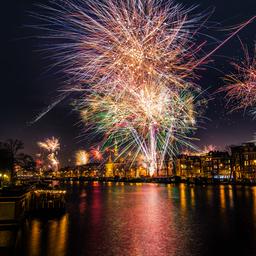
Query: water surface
x,y
146,219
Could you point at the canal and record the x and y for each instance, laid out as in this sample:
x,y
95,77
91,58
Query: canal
x,y
145,219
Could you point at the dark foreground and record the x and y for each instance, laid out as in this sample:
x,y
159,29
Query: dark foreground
x,y
144,219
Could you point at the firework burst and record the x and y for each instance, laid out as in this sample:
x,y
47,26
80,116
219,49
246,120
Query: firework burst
x,y
133,61
51,145
96,153
82,157
241,86
101,43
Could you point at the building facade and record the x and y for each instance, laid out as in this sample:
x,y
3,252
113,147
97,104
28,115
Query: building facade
x,y
244,161
239,164
214,164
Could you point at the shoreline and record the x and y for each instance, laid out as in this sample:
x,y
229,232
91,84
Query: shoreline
x,y
157,180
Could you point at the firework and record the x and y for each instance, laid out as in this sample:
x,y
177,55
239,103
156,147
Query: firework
x,y
133,62
51,145
209,148
103,42
136,59
241,86
82,157
96,153
54,162
154,121
201,152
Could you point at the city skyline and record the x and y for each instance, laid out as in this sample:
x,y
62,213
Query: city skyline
x,y
30,86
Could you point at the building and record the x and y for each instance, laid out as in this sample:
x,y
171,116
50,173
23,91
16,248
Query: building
x,y
240,164
214,164
124,168
188,166
244,161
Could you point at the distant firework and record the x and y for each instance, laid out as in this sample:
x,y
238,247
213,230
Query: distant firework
x,y
241,85
53,160
200,152
134,62
82,157
96,153
51,145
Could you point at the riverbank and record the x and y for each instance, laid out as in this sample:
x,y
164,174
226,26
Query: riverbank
x,y
164,180
17,202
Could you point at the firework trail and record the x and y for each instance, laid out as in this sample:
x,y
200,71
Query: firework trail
x,y
134,62
49,108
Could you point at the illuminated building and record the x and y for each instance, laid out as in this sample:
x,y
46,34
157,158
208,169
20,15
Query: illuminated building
x,y
188,166
244,161
214,164
240,164
109,168
88,170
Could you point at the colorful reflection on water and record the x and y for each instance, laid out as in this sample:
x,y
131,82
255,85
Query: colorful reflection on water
x,y
146,219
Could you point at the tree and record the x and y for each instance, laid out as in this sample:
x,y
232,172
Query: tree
x,y
5,163
10,155
26,162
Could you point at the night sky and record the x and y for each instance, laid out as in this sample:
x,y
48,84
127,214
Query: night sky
x,y
27,87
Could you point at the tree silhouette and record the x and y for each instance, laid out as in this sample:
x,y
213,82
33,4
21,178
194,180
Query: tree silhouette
x,y
10,155
26,162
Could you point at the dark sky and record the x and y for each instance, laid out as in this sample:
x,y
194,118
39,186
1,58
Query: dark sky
x,y
27,88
